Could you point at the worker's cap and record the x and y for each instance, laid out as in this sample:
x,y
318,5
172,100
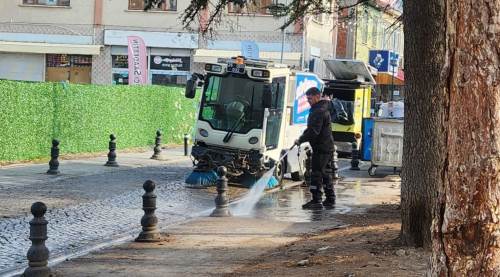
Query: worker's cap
x,y
313,91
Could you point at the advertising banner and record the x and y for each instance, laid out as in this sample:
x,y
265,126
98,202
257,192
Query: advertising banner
x,y
301,107
137,61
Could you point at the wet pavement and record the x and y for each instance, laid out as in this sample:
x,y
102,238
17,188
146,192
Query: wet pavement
x,y
206,246
72,229
354,195
92,206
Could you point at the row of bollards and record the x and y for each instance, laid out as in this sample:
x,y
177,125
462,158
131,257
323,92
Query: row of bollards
x,y
112,152
157,155
149,221
38,253
157,149
355,155
54,156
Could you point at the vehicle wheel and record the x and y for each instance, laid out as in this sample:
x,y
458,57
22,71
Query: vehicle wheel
x,y
371,170
279,173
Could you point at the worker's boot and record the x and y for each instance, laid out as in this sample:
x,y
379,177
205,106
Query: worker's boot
x,y
329,201
330,196
315,203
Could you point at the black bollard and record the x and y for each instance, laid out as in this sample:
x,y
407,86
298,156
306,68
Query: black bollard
x,y
157,150
38,254
221,201
54,155
186,140
112,151
355,157
149,221
335,163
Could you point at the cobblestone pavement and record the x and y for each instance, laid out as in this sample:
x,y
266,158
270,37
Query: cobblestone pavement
x,y
114,211
88,210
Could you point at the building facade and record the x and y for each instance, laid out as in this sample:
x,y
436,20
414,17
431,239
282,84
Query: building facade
x,y
85,41
38,41
374,26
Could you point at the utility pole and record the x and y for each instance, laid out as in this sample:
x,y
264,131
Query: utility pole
x,y
283,37
394,63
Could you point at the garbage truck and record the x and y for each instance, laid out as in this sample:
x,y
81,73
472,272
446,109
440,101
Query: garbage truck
x,y
251,112
351,93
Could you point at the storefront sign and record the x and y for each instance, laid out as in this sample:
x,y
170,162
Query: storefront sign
x,y
170,63
153,39
137,61
384,60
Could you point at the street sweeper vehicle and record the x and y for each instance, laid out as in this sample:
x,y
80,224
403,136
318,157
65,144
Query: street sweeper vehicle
x,y
251,112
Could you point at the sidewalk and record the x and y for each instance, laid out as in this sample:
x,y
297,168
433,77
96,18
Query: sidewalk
x,y
35,172
203,247
217,246
83,179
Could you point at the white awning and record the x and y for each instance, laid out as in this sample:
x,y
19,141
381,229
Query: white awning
x,y
210,56
49,48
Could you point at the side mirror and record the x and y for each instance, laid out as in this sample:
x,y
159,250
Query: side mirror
x,y
267,96
191,87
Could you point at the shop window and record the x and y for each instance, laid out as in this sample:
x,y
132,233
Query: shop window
x,y
168,79
119,64
72,68
64,3
120,78
119,61
165,5
252,7
169,70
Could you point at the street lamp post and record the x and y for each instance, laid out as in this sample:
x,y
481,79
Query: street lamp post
x,y
394,64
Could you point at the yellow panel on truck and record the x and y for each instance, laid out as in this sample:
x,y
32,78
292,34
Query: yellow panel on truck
x,y
350,93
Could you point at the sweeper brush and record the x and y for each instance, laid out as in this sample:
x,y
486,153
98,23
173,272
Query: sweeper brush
x,y
201,178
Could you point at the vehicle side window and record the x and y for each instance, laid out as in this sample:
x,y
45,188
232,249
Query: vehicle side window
x,y
213,89
278,92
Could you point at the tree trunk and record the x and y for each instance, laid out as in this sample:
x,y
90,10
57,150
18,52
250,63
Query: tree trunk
x,y
466,229
426,101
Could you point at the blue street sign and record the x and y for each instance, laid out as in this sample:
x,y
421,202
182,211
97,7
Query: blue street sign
x,y
379,59
249,49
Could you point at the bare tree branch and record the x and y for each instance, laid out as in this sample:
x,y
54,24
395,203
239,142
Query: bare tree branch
x,y
206,16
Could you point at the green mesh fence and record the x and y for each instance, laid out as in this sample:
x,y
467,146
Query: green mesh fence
x,y
83,116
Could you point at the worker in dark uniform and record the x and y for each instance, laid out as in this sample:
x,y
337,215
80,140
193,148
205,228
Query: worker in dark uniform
x,y
319,136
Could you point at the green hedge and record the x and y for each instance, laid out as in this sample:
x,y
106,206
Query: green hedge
x,y
83,116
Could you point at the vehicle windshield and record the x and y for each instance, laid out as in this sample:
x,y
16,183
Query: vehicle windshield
x,y
233,103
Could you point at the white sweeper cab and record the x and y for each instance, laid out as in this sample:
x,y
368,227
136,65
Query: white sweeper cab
x,y
251,112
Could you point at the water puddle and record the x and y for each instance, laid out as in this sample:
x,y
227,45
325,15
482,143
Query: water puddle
x,y
286,206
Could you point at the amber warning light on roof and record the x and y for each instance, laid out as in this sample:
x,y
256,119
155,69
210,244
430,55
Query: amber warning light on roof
x,y
239,60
